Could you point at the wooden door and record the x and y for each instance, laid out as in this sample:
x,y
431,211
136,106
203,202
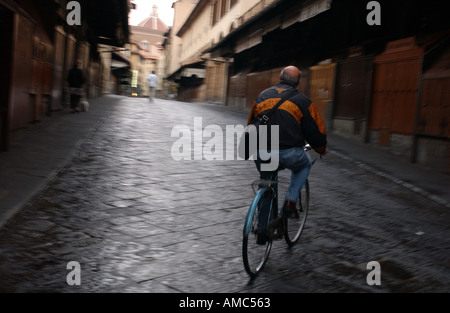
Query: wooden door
x,y
394,98
6,38
434,113
353,80
395,89
321,87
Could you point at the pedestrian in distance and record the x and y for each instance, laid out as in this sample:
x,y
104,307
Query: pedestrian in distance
x,y
76,80
152,80
299,122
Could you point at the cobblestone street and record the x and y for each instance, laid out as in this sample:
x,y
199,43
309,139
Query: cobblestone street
x,y
139,221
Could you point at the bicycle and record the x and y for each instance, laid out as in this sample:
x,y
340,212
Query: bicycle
x,y
263,213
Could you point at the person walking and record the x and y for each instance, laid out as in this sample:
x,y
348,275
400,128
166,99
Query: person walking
x,y
76,80
152,80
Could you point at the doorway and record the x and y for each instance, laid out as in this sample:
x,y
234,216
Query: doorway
x,y
6,25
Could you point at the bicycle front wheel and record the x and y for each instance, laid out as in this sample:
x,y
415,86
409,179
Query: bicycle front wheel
x,y
256,248
294,226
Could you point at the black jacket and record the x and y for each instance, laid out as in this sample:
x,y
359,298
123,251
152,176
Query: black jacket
x,y
76,78
298,118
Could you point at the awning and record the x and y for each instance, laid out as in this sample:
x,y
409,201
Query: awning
x,y
118,64
306,12
118,61
194,72
273,17
107,21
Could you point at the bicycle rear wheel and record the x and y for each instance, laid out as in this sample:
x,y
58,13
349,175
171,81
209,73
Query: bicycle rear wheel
x,y
294,226
255,254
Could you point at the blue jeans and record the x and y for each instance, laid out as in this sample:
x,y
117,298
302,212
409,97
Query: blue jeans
x,y
296,160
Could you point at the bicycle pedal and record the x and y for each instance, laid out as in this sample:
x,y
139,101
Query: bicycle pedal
x,y
277,236
294,214
276,229
274,224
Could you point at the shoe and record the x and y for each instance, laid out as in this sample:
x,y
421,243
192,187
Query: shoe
x,y
291,209
276,228
262,238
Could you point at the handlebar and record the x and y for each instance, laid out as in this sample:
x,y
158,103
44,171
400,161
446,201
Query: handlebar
x,y
308,148
269,183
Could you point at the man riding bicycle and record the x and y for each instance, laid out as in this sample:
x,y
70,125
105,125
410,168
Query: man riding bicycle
x,y
298,121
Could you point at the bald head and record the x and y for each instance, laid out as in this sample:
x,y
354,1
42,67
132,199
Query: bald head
x,y
290,75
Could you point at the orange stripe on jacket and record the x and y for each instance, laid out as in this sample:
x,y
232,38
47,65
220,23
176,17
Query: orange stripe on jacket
x,y
293,109
287,106
316,116
265,105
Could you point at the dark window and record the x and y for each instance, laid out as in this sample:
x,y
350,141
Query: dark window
x,y
223,9
215,11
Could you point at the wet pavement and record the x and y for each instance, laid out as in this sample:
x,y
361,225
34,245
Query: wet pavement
x,y
136,220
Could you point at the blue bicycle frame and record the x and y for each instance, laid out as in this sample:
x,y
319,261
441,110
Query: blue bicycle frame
x,y
251,211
